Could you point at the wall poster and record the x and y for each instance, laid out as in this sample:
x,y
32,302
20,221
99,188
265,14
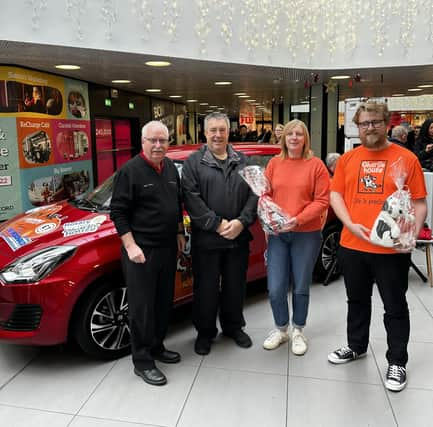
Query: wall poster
x,y
45,141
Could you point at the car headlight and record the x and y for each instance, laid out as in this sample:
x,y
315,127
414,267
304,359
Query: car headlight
x,y
37,265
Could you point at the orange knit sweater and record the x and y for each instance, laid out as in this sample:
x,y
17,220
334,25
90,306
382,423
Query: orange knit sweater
x,y
301,188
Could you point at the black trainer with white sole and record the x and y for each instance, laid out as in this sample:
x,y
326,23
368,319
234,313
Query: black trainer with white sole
x,y
344,355
396,378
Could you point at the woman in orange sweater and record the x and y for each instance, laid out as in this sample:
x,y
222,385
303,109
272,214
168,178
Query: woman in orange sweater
x,y
300,186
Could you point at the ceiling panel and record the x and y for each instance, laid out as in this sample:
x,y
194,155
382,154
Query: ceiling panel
x,y
195,79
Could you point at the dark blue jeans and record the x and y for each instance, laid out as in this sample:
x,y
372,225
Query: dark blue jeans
x,y
291,256
390,272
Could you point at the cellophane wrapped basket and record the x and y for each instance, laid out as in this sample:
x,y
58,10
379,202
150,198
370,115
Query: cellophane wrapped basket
x,y
271,216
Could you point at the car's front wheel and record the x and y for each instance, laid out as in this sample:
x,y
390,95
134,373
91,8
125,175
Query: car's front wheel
x,y
326,268
101,326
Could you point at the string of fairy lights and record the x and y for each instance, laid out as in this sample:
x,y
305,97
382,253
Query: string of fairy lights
x,y
297,28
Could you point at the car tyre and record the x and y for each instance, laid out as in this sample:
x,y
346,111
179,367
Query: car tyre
x,y
327,268
100,325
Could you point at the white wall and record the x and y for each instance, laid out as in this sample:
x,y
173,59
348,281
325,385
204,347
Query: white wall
x,y
316,28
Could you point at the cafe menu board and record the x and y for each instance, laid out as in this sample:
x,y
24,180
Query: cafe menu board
x,y
45,142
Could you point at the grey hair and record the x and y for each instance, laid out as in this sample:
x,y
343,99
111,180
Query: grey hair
x,y
398,132
152,123
331,158
216,116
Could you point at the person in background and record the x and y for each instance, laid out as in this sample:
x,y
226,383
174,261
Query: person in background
x,y
243,134
424,145
222,207
299,184
146,210
362,182
276,134
331,162
399,136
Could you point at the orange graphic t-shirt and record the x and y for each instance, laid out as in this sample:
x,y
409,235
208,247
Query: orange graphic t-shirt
x,y
364,180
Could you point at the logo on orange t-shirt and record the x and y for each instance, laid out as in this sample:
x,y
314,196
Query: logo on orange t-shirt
x,y
371,176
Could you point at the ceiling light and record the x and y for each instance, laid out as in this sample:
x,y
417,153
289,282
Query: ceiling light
x,y
397,94
251,100
153,90
209,111
244,96
304,102
239,93
220,108
340,77
424,86
203,103
158,63
191,100
222,83
68,67
120,81
213,106
415,89
175,96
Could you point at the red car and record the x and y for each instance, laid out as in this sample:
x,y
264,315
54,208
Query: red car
x,y
60,274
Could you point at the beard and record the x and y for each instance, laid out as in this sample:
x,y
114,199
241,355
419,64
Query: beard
x,y
374,140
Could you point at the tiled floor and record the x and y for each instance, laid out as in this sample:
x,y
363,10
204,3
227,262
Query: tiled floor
x,y
232,387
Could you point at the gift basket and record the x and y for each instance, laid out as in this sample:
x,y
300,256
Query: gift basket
x,y
271,216
394,227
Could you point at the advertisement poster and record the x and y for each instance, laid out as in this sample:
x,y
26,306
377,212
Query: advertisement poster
x,y
28,93
71,140
247,116
35,142
77,99
164,111
45,140
10,200
50,184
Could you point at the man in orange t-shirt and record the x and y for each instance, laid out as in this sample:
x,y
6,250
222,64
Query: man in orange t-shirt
x,y
361,184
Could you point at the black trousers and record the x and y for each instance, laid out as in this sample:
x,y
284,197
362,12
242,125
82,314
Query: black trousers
x,y
219,284
390,273
150,298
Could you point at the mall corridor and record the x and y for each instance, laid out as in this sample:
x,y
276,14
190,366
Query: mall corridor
x,y
232,387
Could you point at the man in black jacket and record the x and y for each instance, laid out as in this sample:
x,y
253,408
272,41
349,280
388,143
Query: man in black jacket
x,y
146,210
221,207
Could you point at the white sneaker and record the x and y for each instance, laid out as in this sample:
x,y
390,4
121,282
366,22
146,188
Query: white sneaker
x,y
275,338
299,342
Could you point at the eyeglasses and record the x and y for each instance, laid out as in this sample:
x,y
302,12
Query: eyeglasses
x,y
375,123
154,141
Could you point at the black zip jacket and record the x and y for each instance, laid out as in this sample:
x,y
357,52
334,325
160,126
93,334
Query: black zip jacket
x,y
147,203
212,193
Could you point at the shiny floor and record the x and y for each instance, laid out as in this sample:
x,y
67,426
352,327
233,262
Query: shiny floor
x,y
232,387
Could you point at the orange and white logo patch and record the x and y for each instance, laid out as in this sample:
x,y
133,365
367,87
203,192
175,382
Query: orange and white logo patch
x,y
372,176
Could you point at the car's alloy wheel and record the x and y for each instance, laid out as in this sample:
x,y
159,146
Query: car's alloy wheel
x,y
109,321
100,324
327,268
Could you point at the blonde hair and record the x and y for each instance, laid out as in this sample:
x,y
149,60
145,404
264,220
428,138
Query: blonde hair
x,y
306,151
372,107
273,139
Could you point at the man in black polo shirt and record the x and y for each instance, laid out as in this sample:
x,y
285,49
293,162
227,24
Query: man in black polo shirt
x,y
146,210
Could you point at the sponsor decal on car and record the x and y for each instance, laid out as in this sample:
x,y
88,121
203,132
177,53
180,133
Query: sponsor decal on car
x,y
84,226
14,239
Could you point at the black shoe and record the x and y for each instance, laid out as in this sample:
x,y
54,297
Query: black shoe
x,y
202,345
167,356
152,376
240,338
396,379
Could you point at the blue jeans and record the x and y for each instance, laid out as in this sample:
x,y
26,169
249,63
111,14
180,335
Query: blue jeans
x,y
291,258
